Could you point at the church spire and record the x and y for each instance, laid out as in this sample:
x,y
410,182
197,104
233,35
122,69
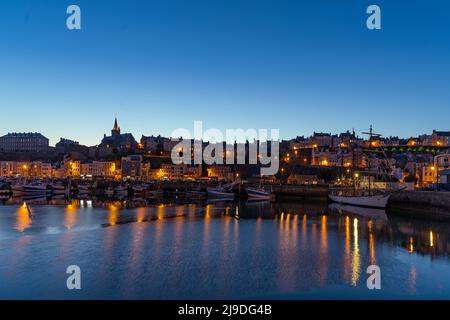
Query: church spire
x,y
116,128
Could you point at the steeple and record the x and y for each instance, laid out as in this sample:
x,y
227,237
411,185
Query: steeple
x,y
116,129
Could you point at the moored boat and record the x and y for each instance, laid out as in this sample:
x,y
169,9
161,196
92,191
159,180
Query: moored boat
x,y
31,188
58,188
372,201
220,192
258,194
5,190
83,188
121,191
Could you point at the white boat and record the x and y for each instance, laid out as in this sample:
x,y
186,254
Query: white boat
x,y
220,192
258,194
375,201
31,188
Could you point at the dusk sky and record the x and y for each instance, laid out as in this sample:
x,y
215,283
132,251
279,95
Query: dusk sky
x,y
300,66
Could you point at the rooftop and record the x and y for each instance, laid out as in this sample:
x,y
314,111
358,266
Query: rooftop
x,y
442,133
24,135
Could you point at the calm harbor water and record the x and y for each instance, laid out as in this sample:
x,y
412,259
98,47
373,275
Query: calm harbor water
x,y
218,251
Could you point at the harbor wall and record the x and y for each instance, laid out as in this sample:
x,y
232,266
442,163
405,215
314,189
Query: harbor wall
x,y
421,203
307,192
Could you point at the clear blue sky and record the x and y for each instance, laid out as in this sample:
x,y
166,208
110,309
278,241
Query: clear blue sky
x,y
296,65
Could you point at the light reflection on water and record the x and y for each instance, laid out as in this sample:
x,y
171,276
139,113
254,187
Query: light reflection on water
x,y
220,250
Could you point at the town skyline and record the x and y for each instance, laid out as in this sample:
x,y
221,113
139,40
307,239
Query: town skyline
x,y
362,134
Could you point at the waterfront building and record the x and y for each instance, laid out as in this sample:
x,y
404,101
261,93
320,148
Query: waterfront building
x,y
220,172
105,169
58,171
132,166
35,169
72,168
39,169
24,142
99,169
169,171
6,168
15,169
87,169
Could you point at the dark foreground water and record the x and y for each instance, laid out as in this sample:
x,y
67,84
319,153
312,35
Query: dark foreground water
x,y
215,251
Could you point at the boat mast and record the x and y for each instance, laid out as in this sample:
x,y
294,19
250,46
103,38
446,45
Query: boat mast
x,y
371,135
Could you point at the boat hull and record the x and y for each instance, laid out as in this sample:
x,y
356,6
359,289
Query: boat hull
x,y
220,194
257,194
18,190
379,201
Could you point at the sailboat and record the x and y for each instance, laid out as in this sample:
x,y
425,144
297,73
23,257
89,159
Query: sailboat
x,y
370,200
